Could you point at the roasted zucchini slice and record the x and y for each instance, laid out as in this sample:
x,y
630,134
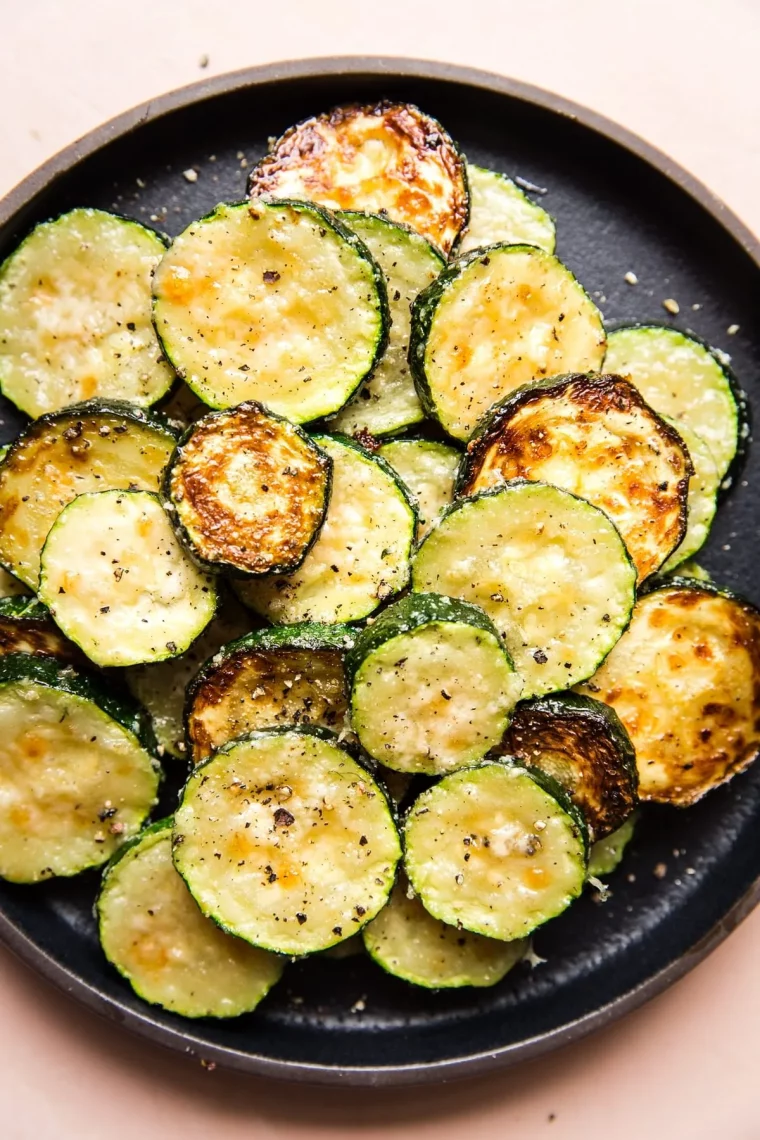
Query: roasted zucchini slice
x,y
428,469
495,849
702,499
26,627
97,446
276,302
361,557
549,569
118,583
594,436
75,314
607,854
289,675
10,586
248,492
432,686
389,158
153,933
495,319
685,681
581,744
303,841
501,212
77,774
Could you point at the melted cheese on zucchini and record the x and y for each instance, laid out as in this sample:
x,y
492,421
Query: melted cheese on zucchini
x,y
428,470
501,212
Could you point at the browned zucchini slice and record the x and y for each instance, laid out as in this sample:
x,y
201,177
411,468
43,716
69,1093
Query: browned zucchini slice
x,y
27,627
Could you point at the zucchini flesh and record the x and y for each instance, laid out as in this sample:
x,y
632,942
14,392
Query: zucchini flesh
x,y
389,158
428,470
607,854
286,841
501,212
361,557
10,587
702,500
97,446
25,627
685,681
75,314
549,569
119,584
594,436
277,302
248,491
490,849
388,400
153,933
494,320
432,686
410,944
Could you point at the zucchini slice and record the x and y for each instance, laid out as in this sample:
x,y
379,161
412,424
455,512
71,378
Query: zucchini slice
x,y
682,378
26,627
286,841
10,586
153,933
248,492
607,854
75,314
428,469
410,944
432,686
118,583
77,776
97,446
289,675
276,302
495,849
389,158
702,499
495,319
581,744
501,212
361,557
549,569
594,436
685,681
388,400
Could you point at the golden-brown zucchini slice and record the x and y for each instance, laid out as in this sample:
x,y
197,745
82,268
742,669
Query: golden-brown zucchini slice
x,y
26,627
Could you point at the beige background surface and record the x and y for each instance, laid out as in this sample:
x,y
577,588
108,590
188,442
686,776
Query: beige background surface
x,y
682,73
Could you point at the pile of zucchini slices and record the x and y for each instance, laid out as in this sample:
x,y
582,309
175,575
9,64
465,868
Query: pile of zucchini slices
x,y
397,581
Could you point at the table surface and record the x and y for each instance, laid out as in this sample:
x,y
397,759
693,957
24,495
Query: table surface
x,y
684,76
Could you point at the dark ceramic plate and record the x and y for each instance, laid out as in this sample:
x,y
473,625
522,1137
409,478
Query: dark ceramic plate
x,y
619,206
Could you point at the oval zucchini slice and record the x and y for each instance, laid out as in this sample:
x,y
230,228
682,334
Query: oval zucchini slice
x,y
97,446
410,944
607,854
702,499
501,212
248,492
495,849
118,583
286,841
594,436
276,302
153,933
75,314
77,776
26,627
428,469
361,557
432,686
390,158
549,569
495,319
685,681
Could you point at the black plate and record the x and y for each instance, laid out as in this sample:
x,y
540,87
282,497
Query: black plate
x,y
619,206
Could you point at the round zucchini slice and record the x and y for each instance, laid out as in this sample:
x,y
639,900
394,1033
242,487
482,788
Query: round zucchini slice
x,y
276,302
97,446
594,436
75,314
389,158
410,944
26,627
702,500
496,850
286,841
118,583
607,854
10,586
549,569
685,681
428,469
77,774
361,557
289,675
248,492
582,745
495,319
501,212
153,933
432,686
